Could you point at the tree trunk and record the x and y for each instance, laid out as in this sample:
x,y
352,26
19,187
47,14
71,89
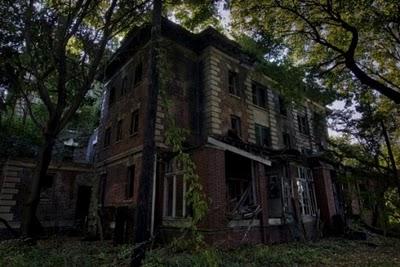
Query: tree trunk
x,y
391,157
29,222
142,220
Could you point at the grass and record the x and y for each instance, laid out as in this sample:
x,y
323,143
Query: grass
x,y
377,251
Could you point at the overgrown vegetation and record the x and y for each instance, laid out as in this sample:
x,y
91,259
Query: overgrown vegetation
x,y
377,251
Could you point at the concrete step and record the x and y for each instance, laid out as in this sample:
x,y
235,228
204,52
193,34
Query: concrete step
x,y
7,216
4,209
7,202
6,196
9,191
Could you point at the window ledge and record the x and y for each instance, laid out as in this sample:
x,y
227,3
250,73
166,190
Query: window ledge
x,y
176,222
308,218
235,96
243,223
260,107
133,134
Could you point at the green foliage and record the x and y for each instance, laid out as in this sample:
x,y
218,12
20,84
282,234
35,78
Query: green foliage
x,y
55,252
19,138
335,252
294,82
194,15
326,36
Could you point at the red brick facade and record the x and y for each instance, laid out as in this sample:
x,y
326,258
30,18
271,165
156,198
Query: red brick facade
x,y
256,193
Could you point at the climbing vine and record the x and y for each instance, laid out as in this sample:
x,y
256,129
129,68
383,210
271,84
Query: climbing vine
x,y
175,137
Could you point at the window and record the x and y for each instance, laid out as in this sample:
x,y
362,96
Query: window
x,y
236,125
130,181
305,186
124,86
260,95
174,191
119,130
286,140
263,136
282,106
302,120
134,122
107,137
138,73
111,99
233,83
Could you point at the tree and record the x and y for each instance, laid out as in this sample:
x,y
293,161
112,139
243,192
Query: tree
x,y
370,152
54,51
343,40
142,220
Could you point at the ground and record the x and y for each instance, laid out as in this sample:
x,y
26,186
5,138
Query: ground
x,y
376,251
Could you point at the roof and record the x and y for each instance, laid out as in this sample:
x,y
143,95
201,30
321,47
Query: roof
x,y
138,37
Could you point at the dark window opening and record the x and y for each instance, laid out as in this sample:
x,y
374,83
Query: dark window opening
x,y
260,95
124,86
130,181
107,137
233,83
240,193
134,127
236,125
138,74
263,136
68,153
111,99
282,106
286,140
119,130
303,124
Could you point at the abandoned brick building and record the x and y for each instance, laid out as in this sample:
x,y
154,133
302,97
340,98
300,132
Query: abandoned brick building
x,y
257,155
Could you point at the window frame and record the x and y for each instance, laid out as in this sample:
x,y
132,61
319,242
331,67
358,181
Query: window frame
x,y
306,191
107,137
174,172
112,95
119,130
137,80
239,124
263,134
233,83
130,182
303,125
259,91
134,125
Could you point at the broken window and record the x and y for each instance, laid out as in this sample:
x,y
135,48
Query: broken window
x,y
174,191
130,181
263,136
119,130
233,83
305,186
260,95
240,193
107,137
134,127
138,73
236,125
